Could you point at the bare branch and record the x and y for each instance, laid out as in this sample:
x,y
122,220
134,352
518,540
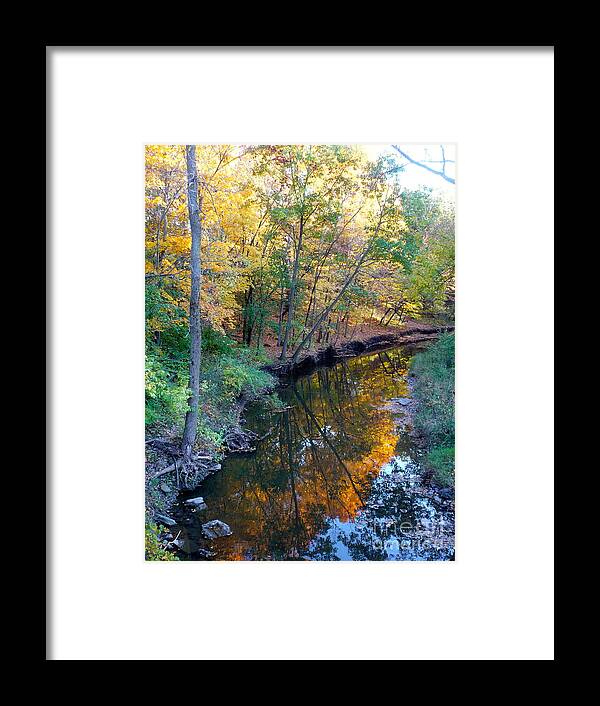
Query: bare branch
x,y
424,166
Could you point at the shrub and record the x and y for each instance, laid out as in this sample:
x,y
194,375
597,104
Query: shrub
x,y
241,376
154,551
216,342
165,390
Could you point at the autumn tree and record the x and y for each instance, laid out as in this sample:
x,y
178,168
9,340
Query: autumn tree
x,y
191,418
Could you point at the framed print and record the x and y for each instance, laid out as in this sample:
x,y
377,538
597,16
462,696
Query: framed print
x,y
300,352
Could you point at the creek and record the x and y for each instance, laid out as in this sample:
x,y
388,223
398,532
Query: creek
x,y
337,475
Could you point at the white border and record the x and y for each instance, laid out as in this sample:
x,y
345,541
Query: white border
x,y
495,601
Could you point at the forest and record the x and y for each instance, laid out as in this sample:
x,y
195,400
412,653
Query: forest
x,y
261,261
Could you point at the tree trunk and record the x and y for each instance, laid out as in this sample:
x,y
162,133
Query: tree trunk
x,y
292,293
280,319
259,333
251,317
191,417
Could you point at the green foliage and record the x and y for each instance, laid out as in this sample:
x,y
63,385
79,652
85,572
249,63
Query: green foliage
x,y
236,373
429,250
209,437
434,389
240,377
420,210
434,372
165,389
228,371
216,342
226,377
154,551
441,460
165,322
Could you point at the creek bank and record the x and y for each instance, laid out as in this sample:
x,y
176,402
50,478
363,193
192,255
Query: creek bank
x,y
165,477
431,386
310,360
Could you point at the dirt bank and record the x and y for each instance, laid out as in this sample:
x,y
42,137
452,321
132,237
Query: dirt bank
x,y
326,356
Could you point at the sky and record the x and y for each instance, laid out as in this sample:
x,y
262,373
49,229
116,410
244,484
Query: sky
x,y
414,177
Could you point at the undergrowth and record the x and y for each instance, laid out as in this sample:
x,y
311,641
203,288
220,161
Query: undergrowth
x,y
229,371
433,372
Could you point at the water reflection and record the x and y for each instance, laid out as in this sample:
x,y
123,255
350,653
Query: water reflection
x,y
335,462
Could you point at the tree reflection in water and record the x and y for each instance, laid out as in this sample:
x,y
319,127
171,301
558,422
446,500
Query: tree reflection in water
x,y
309,489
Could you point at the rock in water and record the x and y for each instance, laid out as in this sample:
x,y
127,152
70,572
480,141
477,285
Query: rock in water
x,y
197,503
216,528
401,400
169,521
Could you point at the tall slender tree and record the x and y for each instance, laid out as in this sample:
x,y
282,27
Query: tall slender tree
x,y
191,417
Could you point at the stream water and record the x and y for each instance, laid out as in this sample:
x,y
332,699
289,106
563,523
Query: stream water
x,y
336,476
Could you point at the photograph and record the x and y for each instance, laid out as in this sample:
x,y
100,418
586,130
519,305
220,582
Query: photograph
x,y
299,352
